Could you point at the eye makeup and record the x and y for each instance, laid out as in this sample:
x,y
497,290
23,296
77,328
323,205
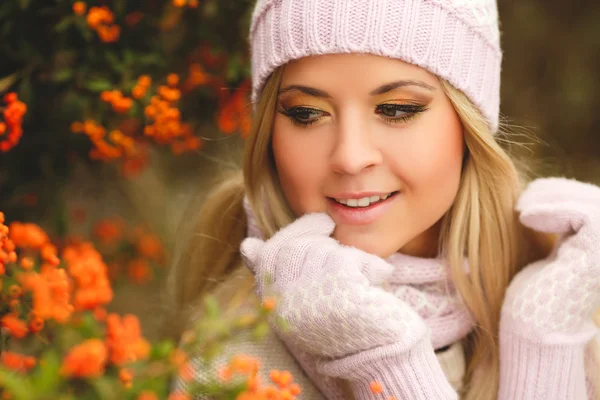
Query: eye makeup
x,y
391,113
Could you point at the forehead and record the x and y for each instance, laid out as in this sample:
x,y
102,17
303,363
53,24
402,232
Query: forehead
x,y
353,71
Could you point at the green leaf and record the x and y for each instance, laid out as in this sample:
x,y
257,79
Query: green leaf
x,y
162,350
8,81
104,388
115,62
47,378
18,385
64,24
25,91
24,4
98,85
212,307
62,75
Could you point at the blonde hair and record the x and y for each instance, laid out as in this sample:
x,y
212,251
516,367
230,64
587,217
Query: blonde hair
x,y
481,226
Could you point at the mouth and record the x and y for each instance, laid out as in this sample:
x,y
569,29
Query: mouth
x,y
361,210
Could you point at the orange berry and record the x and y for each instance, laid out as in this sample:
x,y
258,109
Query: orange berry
x,y
79,7
144,80
172,80
2,128
10,97
125,376
27,263
295,389
77,127
36,323
269,303
193,3
179,3
147,395
376,387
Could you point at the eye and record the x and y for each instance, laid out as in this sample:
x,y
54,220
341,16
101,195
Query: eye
x,y
394,113
302,115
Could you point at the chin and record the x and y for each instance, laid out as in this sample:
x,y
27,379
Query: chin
x,y
368,242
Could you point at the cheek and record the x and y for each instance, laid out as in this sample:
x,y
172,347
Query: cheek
x,y
432,171
301,166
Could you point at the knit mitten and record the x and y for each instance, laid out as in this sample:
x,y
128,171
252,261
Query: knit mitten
x,y
334,312
547,312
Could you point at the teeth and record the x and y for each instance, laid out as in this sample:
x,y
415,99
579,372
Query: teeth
x,y
363,202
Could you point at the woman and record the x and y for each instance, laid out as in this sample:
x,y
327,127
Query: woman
x,y
390,222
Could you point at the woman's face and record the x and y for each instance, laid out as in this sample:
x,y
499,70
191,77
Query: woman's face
x,y
372,141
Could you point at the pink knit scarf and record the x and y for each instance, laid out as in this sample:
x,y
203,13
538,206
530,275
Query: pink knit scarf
x,y
423,283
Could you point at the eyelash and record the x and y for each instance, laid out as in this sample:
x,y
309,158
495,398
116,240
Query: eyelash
x,y
411,110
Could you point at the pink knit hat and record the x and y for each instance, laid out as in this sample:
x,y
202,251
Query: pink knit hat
x,y
457,40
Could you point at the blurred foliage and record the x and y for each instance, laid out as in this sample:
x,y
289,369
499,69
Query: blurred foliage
x,y
59,64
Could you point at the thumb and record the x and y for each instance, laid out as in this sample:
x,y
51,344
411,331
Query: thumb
x,y
554,218
376,269
250,249
307,225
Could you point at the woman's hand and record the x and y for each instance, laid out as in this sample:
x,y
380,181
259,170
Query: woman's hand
x,y
326,291
558,295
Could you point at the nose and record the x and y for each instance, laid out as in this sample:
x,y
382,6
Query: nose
x,y
355,149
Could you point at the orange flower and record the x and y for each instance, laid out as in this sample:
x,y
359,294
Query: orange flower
x,y
101,20
144,81
27,263
124,340
109,230
139,271
99,16
119,103
14,325
36,323
172,80
149,246
51,293
109,33
79,7
169,94
13,119
269,303
234,114
133,18
126,377
86,267
100,314
17,362
7,246
376,387
86,360
196,77
179,395
147,395
28,235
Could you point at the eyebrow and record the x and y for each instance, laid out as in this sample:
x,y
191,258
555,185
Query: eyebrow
x,y
388,87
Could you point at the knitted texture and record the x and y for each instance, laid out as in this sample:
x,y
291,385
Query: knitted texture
x,y
422,283
342,324
546,319
457,40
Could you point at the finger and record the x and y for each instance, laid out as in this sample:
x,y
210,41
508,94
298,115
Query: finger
x,y
314,224
318,258
293,256
556,218
376,269
557,190
250,250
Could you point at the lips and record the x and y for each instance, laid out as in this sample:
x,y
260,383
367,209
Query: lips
x,y
360,215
